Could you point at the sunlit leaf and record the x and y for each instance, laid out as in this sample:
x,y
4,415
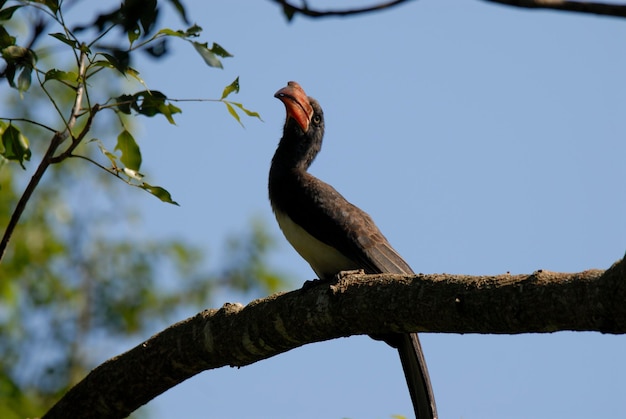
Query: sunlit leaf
x,y
170,32
247,111
207,55
192,31
131,154
133,35
112,157
168,110
233,87
233,112
133,173
15,145
159,192
135,74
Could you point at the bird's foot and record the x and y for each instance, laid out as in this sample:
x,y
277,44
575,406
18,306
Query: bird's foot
x,y
343,274
335,278
310,284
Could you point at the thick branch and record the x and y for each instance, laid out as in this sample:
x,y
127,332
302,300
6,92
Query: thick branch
x,y
617,10
358,304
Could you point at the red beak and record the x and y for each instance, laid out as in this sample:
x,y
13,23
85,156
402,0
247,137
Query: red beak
x,y
296,103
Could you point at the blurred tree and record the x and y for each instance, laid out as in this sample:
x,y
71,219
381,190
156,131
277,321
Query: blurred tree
x,y
72,278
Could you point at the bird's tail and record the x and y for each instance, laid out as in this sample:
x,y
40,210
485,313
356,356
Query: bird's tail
x,y
416,374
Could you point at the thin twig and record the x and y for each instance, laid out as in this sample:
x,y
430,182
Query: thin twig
x,y
78,139
92,161
306,11
604,9
30,121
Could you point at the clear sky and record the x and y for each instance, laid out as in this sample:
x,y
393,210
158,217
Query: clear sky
x,y
482,139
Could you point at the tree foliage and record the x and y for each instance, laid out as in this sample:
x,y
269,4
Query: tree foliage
x,y
73,277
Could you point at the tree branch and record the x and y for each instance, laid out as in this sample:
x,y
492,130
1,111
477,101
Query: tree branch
x,y
357,304
304,10
604,9
48,158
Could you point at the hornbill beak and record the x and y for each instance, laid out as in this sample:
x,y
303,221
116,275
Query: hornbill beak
x,y
296,103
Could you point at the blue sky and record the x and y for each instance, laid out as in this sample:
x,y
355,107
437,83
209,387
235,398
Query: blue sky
x,y
482,139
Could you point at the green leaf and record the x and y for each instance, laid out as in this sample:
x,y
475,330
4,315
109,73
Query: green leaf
x,y
15,54
180,8
135,74
5,39
170,32
17,58
53,5
207,55
23,81
233,112
120,62
193,31
15,145
112,157
131,154
218,50
124,102
60,75
61,37
233,87
133,35
169,110
5,14
247,111
159,192
148,103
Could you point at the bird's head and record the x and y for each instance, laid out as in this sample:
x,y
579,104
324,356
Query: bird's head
x,y
301,109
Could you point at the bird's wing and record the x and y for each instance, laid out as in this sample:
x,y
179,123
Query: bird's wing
x,y
348,228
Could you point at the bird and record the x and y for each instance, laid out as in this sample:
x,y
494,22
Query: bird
x,y
330,233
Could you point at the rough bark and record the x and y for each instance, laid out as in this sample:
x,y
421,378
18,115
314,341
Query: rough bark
x,y
235,335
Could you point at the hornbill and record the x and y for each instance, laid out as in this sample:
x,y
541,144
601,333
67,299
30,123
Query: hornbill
x,y
330,233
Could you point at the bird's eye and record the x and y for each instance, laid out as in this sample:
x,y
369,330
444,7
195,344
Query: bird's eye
x,y
317,119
